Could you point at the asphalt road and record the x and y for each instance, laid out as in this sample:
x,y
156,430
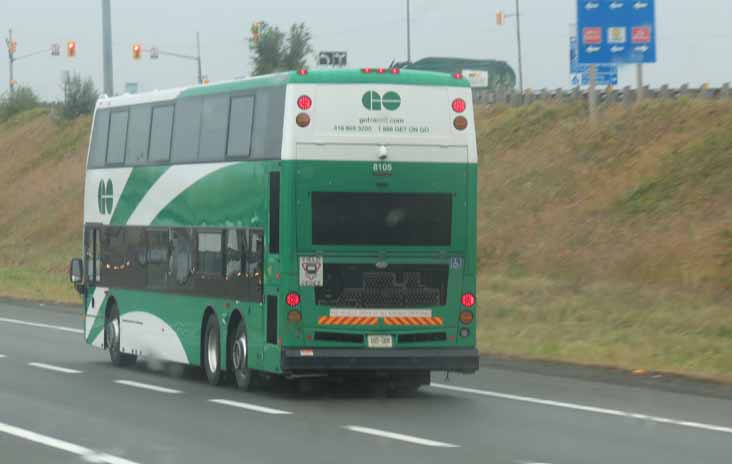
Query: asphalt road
x,y
62,402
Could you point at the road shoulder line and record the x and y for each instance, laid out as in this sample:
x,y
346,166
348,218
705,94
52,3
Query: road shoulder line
x,y
584,408
38,324
249,406
399,436
50,367
147,386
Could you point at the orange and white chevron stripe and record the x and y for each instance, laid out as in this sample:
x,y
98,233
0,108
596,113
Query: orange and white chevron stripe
x,y
327,320
431,321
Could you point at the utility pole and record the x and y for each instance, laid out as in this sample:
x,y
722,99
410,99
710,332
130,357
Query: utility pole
x,y
198,57
518,39
409,33
107,48
11,60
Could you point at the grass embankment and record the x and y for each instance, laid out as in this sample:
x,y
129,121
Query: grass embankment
x,y
605,245
40,204
611,244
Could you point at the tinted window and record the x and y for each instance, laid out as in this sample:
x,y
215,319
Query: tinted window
x,y
186,130
240,127
214,125
269,116
138,135
381,219
233,255
162,129
117,136
99,139
210,259
158,252
181,244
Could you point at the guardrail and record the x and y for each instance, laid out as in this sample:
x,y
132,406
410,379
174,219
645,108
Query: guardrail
x,y
608,95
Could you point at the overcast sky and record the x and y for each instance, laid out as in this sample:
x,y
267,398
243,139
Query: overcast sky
x,y
695,37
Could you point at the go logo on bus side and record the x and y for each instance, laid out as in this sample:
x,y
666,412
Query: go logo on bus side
x,y
372,101
105,197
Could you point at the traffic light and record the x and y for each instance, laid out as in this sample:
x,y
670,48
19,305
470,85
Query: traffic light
x,y
71,49
136,51
500,18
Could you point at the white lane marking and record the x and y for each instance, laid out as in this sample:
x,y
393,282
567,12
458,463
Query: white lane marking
x,y
86,453
45,326
399,436
251,407
593,409
147,386
49,367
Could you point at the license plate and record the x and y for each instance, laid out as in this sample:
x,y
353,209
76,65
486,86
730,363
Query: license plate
x,y
380,341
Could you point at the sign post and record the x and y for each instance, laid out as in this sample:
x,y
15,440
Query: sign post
x,y
335,59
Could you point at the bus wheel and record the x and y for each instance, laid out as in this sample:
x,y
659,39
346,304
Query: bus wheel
x,y
111,339
243,376
212,351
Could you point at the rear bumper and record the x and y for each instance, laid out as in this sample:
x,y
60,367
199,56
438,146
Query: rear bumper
x,y
330,359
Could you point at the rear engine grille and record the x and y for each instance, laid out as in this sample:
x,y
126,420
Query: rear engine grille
x,y
338,337
400,286
423,337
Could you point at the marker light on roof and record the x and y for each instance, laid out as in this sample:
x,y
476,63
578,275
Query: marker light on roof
x,y
381,70
395,70
303,72
457,75
366,70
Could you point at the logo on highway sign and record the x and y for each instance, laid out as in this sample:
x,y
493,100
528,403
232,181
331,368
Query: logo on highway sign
x,y
641,35
616,35
105,197
592,35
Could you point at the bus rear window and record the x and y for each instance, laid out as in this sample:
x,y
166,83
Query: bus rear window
x,y
396,219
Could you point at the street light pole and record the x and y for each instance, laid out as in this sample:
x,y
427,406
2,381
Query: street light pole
x,y
107,48
198,57
409,33
518,39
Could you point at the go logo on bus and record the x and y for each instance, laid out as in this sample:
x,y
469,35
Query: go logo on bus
x,y
372,101
105,197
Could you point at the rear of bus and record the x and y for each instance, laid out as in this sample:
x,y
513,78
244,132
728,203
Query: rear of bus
x,y
380,276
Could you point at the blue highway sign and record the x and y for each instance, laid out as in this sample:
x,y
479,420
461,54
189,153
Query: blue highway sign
x,y
616,31
606,74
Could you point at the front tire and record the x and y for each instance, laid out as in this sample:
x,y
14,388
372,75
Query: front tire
x,y
112,337
244,378
212,351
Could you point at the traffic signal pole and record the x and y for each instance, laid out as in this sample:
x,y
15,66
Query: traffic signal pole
x,y
107,48
11,60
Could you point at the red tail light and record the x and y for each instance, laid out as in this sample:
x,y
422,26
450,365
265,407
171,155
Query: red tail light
x,y
304,102
468,300
458,105
292,299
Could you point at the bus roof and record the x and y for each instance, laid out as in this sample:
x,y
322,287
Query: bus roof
x,y
330,76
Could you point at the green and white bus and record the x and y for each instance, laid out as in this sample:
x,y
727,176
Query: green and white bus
x,y
299,224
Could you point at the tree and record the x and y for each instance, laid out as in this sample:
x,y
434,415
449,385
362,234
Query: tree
x,y
273,52
22,99
80,96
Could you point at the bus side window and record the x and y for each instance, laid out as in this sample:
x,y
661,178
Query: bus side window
x,y
92,257
210,257
233,255
181,263
254,261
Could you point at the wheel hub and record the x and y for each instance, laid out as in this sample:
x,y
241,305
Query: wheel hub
x,y
112,333
240,353
212,350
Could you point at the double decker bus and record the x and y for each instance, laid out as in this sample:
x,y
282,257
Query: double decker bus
x,y
300,224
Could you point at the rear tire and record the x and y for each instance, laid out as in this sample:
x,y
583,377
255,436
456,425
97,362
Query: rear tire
x,y
244,378
211,352
112,337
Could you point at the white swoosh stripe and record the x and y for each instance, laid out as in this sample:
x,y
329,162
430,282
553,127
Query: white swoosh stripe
x,y
171,184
